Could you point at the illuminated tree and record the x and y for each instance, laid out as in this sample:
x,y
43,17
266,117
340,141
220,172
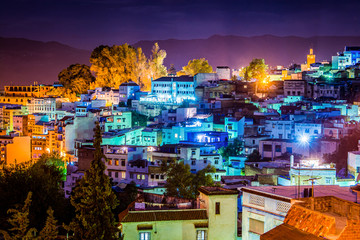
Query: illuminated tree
x,y
76,78
196,66
257,70
94,200
156,62
121,63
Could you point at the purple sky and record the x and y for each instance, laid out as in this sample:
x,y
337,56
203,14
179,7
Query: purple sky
x,y
89,23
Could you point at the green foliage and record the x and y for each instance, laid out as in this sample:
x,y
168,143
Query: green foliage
x,y
76,78
138,119
128,196
232,149
254,156
49,232
181,182
19,222
256,70
54,159
347,144
196,66
121,63
94,200
44,180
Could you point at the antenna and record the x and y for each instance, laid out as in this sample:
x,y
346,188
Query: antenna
x,y
313,193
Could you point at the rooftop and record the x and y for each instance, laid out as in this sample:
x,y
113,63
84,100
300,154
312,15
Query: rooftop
x,y
289,192
168,215
286,232
217,191
175,79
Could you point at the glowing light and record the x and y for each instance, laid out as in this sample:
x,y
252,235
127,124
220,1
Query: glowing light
x,y
304,139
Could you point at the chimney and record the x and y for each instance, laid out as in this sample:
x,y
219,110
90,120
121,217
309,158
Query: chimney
x,y
292,160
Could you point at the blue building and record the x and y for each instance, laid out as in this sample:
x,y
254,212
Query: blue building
x,y
171,90
217,139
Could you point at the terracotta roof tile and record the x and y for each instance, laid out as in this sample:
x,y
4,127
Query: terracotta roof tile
x,y
287,232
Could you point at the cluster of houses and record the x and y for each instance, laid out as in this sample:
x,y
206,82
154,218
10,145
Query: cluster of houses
x,y
285,130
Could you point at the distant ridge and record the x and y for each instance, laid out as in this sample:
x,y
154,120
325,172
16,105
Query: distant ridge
x,y
237,51
23,61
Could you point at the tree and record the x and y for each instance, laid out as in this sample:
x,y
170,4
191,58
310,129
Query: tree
x,y
138,119
156,62
49,231
196,66
232,149
127,196
181,182
94,200
257,70
121,63
44,180
19,222
76,78
254,156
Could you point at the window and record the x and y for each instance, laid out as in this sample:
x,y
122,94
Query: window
x,y
201,235
289,149
267,148
328,180
193,162
256,226
278,148
217,208
123,162
116,162
116,174
144,235
110,162
357,169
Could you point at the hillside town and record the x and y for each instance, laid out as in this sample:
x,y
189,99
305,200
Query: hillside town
x,y
215,155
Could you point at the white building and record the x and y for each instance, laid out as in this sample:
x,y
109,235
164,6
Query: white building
x,y
127,91
171,90
111,95
308,129
177,115
223,72
282,129
265,207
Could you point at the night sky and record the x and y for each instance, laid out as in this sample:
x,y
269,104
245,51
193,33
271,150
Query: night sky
x,y
89,23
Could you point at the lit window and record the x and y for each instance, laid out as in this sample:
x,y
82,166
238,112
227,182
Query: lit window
x,y
201,235
144,235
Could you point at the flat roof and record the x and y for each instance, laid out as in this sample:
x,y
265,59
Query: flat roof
x,y
165,215
289,192
217,191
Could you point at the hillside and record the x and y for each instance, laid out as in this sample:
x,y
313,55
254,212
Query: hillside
x,y
236,51
24,61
